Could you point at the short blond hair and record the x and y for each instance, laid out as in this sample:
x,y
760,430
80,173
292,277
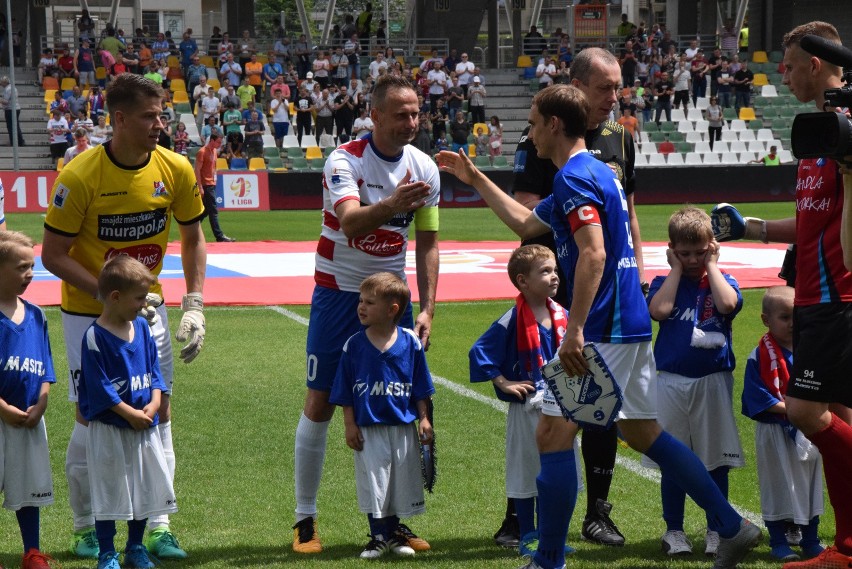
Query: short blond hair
x,y
522,259
774,296
389,288
123,273
690,225
11,240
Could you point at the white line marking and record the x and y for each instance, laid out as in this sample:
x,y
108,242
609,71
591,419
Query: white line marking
x,y
627,463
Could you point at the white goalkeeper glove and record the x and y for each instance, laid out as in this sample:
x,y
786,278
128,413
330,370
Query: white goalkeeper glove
x,y
730,225
149,311
191,327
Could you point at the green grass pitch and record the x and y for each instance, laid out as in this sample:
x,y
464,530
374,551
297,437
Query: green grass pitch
x,y
236,408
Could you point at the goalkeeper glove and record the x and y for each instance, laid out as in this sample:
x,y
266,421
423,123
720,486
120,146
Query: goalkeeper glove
x,y
729,225
149,311
191,327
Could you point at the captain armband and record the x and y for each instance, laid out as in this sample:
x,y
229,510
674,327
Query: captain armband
x,y
426,218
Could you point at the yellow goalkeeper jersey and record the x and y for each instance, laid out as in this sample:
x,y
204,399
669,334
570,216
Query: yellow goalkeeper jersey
x,y
110,209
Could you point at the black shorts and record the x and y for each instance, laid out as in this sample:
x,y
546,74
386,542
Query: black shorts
x,y
822,353
57,149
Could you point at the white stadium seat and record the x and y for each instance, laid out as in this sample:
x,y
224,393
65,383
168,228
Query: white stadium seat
x,y
693,159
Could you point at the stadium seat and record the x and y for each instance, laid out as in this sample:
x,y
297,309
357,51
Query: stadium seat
x,y
657,137
702,126
693,159
703,146
172,61
500,163
68,83
786,156
482,162
50,84
257,164
780,124
747,114
685,127
675,159
317,163
524,61
177,85
738,124
694,137
649,148
481,125
729,158
221,164
718,147
760,79
729,135
729,114
684,147
214,82
787,112
471,150
759,57
276,164
238,164
294,152
313,152
326,152
183,108
668,126
651,126
738,146
638,160
768,91
299,164
180,97
206,61
776,56
694,115
60,163
702,103
656,160
643,138
678,115
746,156
676,137
271,152
711,158
756,146
765,134
747,135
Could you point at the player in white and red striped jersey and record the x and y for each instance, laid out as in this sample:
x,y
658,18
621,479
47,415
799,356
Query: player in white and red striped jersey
x,y
373,188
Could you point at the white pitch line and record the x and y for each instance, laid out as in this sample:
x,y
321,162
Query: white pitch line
x,y
627,463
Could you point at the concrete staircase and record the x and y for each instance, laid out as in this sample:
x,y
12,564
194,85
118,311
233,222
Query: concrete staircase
x,y
36,154
509,98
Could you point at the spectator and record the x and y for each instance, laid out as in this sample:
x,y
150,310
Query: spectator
x,y
321,68
742,86
667,43
47,66
232,120
6,95
725,81
81,139
495,138
255,128
152,73
481,141
304,112
344,114
464,71
735,63
455,98
225,48
324,121
96,102
280,86
691,51
282,50
663,92
714,65
628,64
423,139
246,47
111,44
729,37
770,159
340,67
272,70
254,75
349,27
231,70
681,78
363,125
59,103
546,73
77,102
210,106
146,56
363,26
459,133
82,121
84,65
205,176
563,50
437,83
102,131
666,147
630,122
715,121
85,26
429,63
57,128
188,49
210,126
215,40
381,35
699,77
65,64
160,48
439,118
534,42
377,65
181,139
194,72
117,68
303,56
476,100
624,27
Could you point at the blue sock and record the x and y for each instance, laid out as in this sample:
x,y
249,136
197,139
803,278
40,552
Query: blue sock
x,y
720,478
392,524
674,501
777,532
135,532
557,493
378,527
28,521
525,508
105,531
810,544
677,461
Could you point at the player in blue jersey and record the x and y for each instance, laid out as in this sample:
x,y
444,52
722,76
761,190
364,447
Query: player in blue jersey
x,y
589,219
695,305
26,372
383,385
119,394
509,354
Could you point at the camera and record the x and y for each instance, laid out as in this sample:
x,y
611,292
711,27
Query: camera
x,y
828,134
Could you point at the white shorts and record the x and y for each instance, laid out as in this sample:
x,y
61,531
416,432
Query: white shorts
x,y
388,478
128,474
699,413
523,462
25,467
790,489
632,366
74,328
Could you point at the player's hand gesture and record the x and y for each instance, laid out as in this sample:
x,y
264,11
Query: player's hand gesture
x,y
35,413
408,195
151,410
459,165
571,352
11,415
424,430
138,420
672,258
712,255
354,438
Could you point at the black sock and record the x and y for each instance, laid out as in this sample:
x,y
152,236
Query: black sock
x,y
510,507
599,449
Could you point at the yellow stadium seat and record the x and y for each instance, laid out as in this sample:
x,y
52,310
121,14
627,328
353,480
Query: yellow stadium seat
x,y
262,58
760,79
49,95
221,164
479,125
214,83
524,61
68,83
257,164
60,163
313,152
292,108
206,61
177,85
471,150
172,61
415,71
180,97
747,114
759,57
100,73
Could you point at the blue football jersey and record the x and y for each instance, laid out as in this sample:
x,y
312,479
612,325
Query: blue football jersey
x,y
672,350
115,371
756,398
618,314
496,353
25,358
382,387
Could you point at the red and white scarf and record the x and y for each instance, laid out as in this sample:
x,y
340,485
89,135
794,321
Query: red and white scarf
x,y
773,366
529,341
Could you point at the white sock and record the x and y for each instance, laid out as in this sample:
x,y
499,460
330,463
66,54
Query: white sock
x,y
165,430
77,473
310,454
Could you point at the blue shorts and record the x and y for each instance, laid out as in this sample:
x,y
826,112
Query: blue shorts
x,y
334,318
281,129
